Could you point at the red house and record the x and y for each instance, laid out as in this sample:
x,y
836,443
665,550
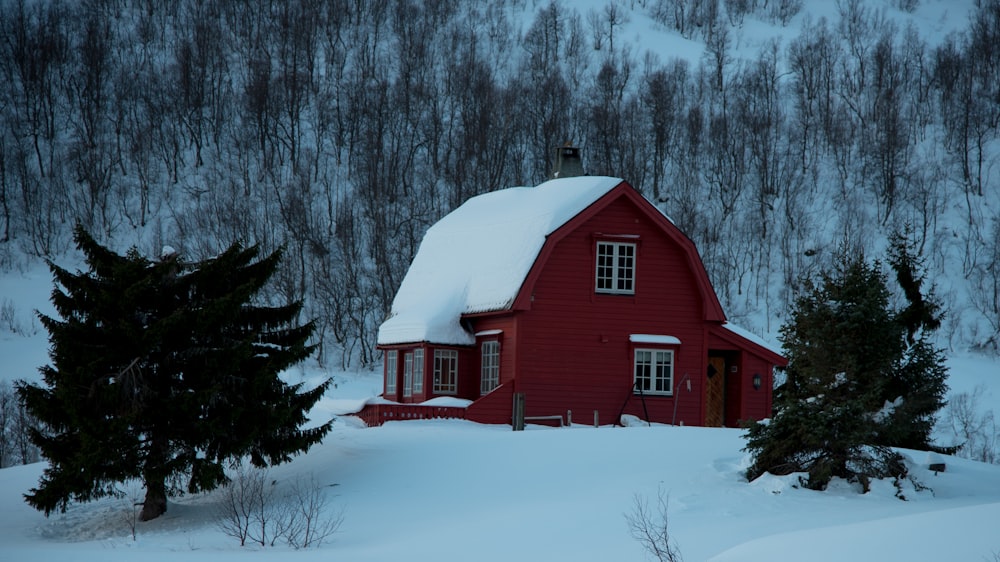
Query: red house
x,y
577,294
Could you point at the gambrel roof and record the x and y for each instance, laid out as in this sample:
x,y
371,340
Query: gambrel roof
x,y
476,258
479,257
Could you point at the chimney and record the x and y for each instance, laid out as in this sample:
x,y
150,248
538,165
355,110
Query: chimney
x,y
568,163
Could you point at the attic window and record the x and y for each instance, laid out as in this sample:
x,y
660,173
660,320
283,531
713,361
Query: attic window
x,y
615,268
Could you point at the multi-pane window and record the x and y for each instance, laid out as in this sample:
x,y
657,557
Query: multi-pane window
x,y
407,374
390,372
418,371
615,268
490,366
654,371
445,371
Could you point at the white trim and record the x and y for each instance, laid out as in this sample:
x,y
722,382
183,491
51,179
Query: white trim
x,y
489,333
654,339
408,374
625,236
445,364
391,371
616,269
489,370
418,370
655,362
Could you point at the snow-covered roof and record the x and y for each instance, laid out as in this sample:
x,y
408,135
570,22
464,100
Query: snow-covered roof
x,y
752,337
476,258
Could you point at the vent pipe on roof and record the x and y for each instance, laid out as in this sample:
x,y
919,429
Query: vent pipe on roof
x,y
568,163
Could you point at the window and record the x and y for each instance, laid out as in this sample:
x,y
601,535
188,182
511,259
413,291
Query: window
x,y
408,374
418,371
654,371
390,372
615,268
490,367
445,371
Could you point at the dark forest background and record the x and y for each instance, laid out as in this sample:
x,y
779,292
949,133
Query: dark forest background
x,y
342,129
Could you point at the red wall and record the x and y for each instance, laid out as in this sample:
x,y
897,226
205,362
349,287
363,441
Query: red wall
x,y
495,407
743,401
574,350
756,403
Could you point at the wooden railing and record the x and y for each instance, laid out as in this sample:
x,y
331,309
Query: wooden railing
x,y
377,414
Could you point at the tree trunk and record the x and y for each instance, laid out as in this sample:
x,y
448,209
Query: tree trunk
x,y
155,503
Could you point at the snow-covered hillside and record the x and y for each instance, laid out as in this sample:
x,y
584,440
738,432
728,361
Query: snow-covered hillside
x,y
453,490
774,133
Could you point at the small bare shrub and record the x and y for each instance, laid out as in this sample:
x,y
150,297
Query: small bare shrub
x,y
974,427
131,498
246,506
8,317
251,511
306,520
650,527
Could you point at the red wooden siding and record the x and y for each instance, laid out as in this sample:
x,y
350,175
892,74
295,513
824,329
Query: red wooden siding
x,y
575,351
756,404
495,407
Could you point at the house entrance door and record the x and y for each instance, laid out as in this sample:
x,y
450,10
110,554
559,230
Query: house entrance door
x,y
715,392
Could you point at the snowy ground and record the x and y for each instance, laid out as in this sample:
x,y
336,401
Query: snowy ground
x,y
454,490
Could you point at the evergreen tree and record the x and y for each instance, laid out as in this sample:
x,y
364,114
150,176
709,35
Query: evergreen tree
x,y
858,383
922,374
163,371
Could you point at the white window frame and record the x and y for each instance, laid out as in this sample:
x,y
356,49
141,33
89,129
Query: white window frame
x,y
489,366
441,358
658,375
391,371
614,271
408,374
418,371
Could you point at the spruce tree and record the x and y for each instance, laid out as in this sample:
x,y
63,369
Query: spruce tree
x,y
164,371
858,383
921,375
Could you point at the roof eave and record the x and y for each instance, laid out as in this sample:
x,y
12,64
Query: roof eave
x,y
724,333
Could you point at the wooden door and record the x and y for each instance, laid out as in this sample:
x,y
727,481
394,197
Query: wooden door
x,y
715,392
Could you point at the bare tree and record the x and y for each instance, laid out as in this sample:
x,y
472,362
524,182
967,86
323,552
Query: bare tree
x,y
308,520
131,500
246,508
23,424
8,407
252,510
984,279
663,100
649,526
34,48
973,426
